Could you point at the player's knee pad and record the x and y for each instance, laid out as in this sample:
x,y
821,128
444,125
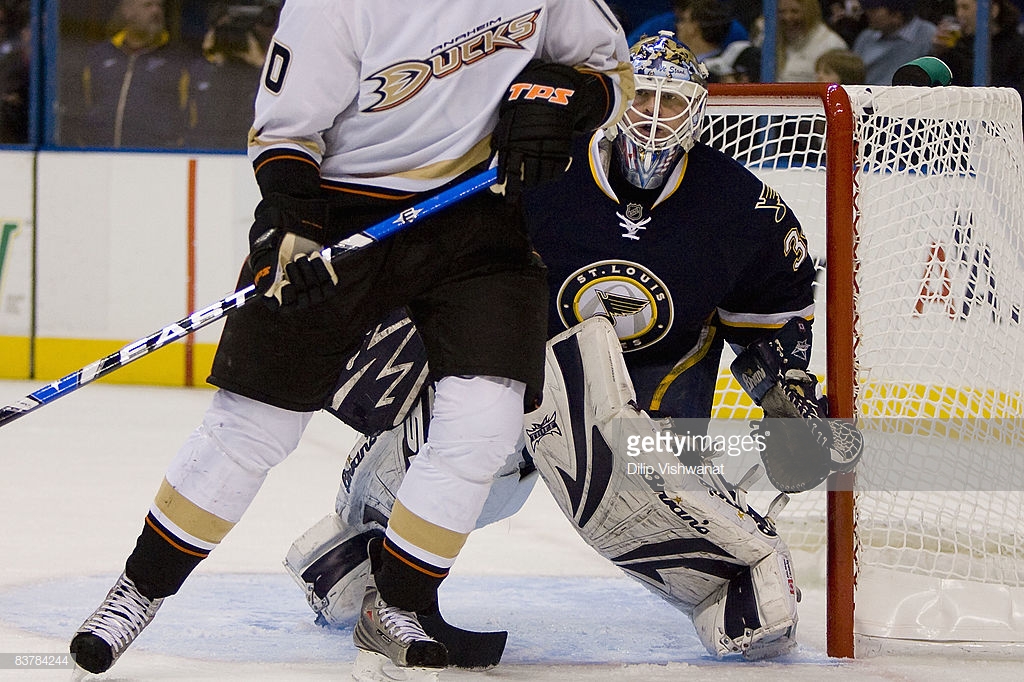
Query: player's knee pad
x,y
222,465
376,466
476,423
754,614
678,531
474,428
330,564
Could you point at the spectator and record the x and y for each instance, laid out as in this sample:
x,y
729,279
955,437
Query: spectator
x,y
843,67
14,16
1006,54
703,25
895,35
669,21
15,46
134,87
846,17
802,38
224,81
633,13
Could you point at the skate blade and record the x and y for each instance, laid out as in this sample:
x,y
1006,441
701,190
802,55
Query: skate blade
x,y
373,667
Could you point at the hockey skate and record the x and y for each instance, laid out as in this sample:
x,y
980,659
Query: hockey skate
x,y
104,635
387,634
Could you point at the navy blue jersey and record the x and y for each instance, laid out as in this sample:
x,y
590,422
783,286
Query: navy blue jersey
x,y
713,255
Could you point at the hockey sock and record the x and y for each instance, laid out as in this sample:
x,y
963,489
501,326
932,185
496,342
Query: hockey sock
x,y
403,580
161,562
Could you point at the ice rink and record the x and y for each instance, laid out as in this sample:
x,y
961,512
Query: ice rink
x,y
77,478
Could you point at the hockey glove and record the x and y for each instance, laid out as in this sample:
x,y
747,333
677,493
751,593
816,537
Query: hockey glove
x,y
285,261
801,446
542,108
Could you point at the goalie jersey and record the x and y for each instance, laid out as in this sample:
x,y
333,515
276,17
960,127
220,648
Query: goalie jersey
x,y
712,256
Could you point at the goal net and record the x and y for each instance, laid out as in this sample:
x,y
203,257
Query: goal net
x,y
912,200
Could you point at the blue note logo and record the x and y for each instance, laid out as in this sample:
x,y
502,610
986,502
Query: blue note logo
x,y
632,297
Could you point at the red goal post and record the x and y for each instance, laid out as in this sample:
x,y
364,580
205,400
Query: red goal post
x,y
953,155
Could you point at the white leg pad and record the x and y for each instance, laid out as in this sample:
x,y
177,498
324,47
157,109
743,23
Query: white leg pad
x,y
682,535
758,623
330,564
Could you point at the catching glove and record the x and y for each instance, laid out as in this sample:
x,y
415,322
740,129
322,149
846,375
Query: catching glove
x,y
542,108
801,445
287,267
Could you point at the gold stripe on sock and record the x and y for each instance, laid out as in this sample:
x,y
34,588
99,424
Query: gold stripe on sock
x,y
425,535
193,520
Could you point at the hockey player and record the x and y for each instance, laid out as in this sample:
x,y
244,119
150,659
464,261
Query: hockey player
x,y
364,107
638,233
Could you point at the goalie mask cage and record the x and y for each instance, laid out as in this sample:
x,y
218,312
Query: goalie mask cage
x,y
917,217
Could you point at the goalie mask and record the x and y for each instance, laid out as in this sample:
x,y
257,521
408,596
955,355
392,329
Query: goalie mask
x,y
667,114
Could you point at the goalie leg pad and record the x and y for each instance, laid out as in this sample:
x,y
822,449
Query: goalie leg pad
x,y
328,561
754,614
375,467
674,532
330,564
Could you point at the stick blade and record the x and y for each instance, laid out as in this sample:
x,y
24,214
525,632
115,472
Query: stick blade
x,y
466,648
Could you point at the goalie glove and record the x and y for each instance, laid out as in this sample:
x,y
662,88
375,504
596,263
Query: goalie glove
x,y
287,267
541,110
801,445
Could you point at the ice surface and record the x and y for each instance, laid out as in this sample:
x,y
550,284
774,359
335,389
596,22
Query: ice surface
x,y
76,479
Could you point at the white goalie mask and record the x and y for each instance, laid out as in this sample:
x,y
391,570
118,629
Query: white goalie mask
x,y
667,114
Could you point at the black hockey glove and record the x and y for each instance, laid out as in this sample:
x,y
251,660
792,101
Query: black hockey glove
x,y
284,255
801,445
544,106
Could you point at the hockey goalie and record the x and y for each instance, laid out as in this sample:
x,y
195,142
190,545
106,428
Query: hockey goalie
x,y
689,538
652,273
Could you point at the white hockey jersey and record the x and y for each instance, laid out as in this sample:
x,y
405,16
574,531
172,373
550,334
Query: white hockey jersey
x,y
403,95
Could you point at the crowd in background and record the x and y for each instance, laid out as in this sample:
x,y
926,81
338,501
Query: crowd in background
x,y
145,86
15,46
183,73
140,73
855,41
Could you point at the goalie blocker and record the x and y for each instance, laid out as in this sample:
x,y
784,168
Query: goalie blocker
x,y
802,446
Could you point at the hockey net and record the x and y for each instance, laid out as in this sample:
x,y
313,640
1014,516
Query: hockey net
x,y
917,221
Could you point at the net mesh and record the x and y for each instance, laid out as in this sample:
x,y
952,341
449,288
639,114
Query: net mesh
x,y
939,348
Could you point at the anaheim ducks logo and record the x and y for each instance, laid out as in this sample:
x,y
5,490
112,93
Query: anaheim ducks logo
x,y
631,296
400,82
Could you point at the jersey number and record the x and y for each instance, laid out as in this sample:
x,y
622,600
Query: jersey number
x,y
277,65
796,245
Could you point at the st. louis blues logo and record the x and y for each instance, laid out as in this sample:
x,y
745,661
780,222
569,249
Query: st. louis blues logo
x,y
635,300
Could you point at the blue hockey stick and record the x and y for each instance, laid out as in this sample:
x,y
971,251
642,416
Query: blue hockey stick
x,y
210,314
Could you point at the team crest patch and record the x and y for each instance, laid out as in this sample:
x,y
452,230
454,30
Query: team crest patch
x,y
631,296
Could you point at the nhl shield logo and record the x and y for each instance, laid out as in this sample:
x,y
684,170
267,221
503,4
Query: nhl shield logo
x,y
627,293
634,212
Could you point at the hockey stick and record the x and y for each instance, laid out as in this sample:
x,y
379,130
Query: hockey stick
x,y
210,314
